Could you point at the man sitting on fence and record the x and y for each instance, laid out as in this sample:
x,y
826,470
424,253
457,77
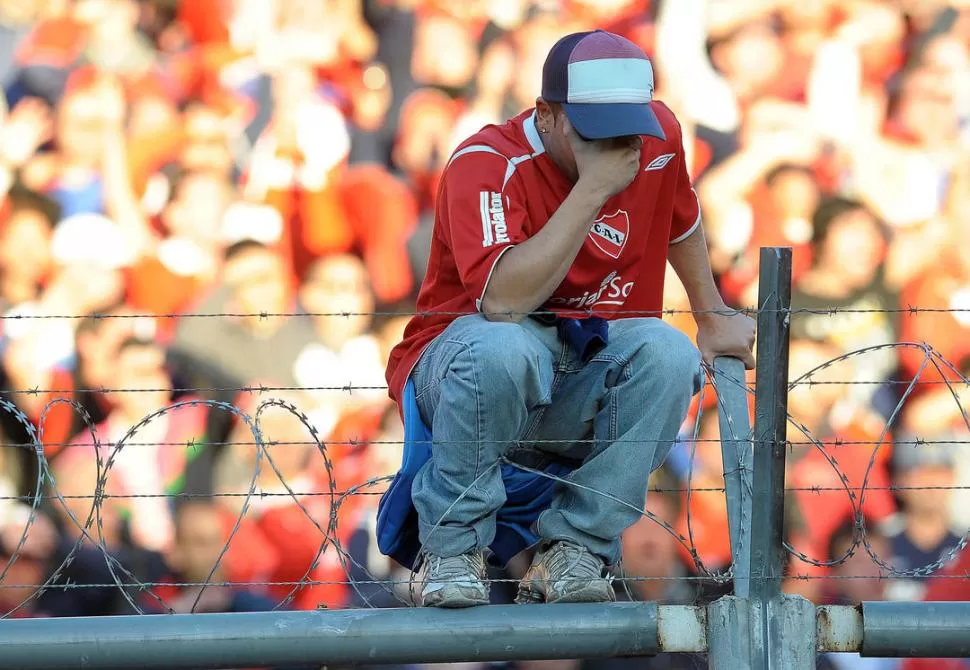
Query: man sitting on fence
x,y
551,236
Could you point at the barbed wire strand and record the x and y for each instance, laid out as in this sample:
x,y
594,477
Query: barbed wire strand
x,y
127,583
564,309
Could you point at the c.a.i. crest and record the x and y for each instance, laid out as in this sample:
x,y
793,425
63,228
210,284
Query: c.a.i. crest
x,y
610,231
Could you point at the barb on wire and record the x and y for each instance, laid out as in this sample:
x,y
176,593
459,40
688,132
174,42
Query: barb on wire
x,y
861,535
359,490
598,310
326,507
358,443
353,388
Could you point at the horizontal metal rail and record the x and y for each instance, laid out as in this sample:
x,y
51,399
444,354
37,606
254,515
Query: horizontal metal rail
x,y
896,629
413,635
916,629
407,635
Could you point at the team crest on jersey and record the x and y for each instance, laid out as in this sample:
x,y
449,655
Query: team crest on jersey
x,y
609,233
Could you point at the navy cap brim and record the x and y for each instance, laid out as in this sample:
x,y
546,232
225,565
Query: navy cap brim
x,y
598,121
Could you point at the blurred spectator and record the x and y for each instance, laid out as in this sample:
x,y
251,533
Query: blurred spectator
x,y
264,339
777,210
299,166
282,538
200,536
938,415
651,549
943,279
371,135
366,563
25,246
196,582
703,516
144,444
836,449
856,579
69,371
92,108
440,32
423,144
849,273
337,294
197,218
492,82
921,534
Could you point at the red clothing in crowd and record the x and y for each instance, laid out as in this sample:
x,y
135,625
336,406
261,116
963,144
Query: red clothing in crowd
x,y
206,21
942,287
60,418
499,190
184,427
56,43
278,545
820,494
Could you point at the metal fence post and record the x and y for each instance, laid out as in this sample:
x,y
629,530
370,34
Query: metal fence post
x,y
735,425
770,423
759,628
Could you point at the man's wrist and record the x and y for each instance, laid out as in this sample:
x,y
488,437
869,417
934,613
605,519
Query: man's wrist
x,y
591,194
706,313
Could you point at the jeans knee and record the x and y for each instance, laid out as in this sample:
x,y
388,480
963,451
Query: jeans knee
x,y
671,355
511,362
505,347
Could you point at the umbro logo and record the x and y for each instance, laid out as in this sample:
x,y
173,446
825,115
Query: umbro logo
x,y
659,163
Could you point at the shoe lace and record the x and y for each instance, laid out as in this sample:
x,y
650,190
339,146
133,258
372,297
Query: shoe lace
x,y
574,561
455,568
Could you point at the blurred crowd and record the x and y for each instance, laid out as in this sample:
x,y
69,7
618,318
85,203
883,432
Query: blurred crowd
x,y
211,203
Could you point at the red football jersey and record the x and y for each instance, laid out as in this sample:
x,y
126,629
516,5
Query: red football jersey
x,y
500,188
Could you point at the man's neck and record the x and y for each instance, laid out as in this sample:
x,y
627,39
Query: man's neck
x,y
551,150
926,530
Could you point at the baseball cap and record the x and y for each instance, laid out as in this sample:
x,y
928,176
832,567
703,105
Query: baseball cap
x,y
910,452
604,83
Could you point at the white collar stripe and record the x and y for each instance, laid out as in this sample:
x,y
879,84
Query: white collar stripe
x,y
532,134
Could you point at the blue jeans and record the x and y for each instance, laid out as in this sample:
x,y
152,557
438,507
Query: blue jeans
x,y
494,389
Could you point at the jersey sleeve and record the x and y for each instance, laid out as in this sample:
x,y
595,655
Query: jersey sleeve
x,y
483,215
687,211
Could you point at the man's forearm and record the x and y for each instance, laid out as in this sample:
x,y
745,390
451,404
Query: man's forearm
x,y
530,272
692,264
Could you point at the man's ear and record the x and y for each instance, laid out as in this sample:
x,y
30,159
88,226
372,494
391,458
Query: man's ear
x,y
551,116
545,116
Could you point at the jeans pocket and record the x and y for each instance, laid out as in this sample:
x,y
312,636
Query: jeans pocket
x,y
431,369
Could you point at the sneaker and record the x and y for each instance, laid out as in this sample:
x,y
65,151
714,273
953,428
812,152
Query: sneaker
x,y
565,572
456,581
